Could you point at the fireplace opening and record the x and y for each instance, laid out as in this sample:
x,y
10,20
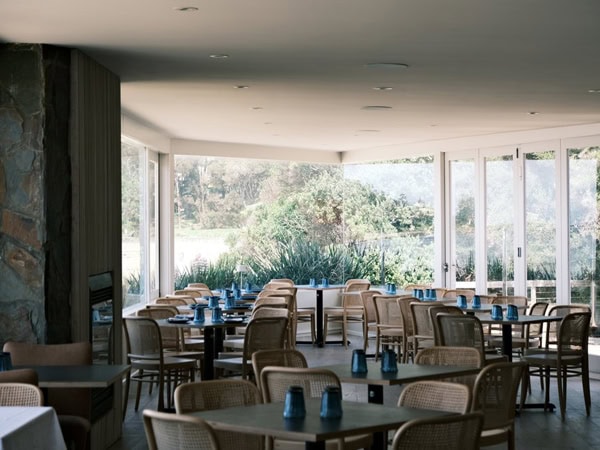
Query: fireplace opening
x,y
101,317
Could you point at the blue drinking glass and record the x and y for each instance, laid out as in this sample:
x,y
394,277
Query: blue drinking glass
x,y
433,295
5,361
293,407
476,303
512,313
392,288
324,282
389,363
213,301
217,315
359,361
496,312
461,301
312,282
331,403
198,314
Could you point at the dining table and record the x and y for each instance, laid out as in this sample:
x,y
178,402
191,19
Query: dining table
x,y
376,379
319,289
30,427
357,418
81,376
214,335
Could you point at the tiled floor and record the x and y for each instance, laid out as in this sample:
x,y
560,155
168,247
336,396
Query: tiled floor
x,y
535,429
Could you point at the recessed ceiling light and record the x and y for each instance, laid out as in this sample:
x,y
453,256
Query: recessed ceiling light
x,y
256,108
185,8
219,56
533,113
369,131
387,65
383,88
268,123
594,91
375,107
241,86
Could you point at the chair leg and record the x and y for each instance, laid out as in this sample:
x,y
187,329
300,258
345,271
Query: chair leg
x,y
585,381
325,322
560,381
313,328
344,331
126,394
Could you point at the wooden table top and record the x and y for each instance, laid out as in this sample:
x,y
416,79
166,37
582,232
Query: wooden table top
x,y
357,418
84,376
407,373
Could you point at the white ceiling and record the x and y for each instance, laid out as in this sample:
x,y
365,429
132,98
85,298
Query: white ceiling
x,y
476,67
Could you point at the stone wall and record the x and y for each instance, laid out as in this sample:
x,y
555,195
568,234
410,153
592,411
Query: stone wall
x,y
34,179
22,222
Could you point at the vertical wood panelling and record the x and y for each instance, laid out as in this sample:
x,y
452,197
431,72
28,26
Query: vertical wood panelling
x,y
96,161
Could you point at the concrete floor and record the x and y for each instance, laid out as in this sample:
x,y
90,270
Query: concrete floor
x,y
535,429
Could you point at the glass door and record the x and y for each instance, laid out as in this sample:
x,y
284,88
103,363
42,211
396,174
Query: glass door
x,y
460,221
500,203
540,188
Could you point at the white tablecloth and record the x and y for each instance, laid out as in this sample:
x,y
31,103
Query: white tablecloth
x,y
29,428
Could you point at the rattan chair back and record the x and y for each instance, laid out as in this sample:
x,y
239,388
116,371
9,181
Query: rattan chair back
x,y
218,394
452,356
458,432
278,358
495,394
165,431
20,394
437,396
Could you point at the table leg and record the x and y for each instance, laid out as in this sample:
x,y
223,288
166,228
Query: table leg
x,y
314,445
376,396
209,354
319,314
507,340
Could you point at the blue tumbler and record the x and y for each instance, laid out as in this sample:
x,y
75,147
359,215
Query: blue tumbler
x,y
359,361
331,403
293,407
388,361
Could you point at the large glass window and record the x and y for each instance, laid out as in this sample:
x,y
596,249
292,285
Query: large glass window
x,y
139,198
584,219
540,219
500,223
462,222
302,221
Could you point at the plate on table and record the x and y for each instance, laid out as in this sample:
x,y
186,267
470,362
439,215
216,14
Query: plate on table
x,y
234,319
179,319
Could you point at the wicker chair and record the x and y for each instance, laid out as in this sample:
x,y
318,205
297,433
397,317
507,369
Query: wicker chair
x,y
495,394
422,326
280,358
218,394
464,331
452,294
73,406
436,396
459,432
451,356
274,383
174,301
20,394
389,324
408,331
149,363
370,315
568,359
351,311
268,333
166,431
441,308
